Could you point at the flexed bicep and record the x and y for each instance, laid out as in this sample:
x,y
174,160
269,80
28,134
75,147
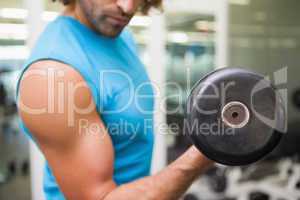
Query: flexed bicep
x,y
75,143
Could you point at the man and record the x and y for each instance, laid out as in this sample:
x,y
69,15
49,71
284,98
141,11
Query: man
x,y
85,99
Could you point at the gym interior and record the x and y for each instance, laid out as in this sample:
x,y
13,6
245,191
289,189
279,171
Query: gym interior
x,y
181,44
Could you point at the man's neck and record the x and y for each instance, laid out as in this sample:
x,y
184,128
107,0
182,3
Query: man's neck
x,y
74,10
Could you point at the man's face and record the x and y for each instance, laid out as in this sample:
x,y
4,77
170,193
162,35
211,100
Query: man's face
x,y
109,17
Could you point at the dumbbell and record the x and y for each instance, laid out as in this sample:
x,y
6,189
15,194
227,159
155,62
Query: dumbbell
x,y
235,116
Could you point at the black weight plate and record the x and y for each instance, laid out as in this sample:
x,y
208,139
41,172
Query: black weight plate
x,y
234,143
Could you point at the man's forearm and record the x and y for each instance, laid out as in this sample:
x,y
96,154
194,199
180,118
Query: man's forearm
x,y
168,184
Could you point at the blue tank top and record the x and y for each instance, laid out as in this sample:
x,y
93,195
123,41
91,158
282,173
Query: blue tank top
x,y
120,87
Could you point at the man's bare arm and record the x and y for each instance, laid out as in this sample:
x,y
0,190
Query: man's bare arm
x,y
82,159
169,184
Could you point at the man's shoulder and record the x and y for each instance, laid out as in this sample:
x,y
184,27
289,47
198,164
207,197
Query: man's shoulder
x,y
48,68
57,45
54,38
49,91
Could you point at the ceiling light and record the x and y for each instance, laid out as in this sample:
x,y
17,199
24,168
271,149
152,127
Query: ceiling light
x,y
178,37
13,52
143,21
240,2
16,13
13,13
204,25
13,31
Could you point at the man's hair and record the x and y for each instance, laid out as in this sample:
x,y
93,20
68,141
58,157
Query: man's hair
x,y
144,9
